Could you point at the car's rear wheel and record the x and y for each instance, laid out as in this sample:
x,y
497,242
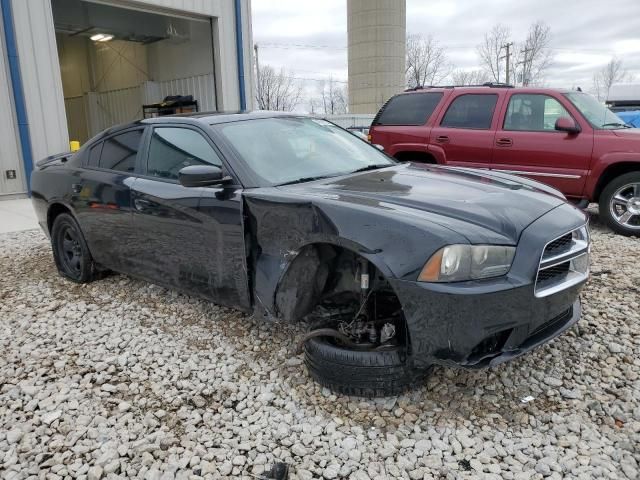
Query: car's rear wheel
x,y
70,251
620,204
363,373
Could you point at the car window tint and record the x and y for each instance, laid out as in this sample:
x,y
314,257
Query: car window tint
x,y
172,149
471,111
119,152
533,113
94,155
408,109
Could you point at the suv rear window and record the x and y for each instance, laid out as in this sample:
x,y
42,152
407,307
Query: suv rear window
x,y
408,109
471,111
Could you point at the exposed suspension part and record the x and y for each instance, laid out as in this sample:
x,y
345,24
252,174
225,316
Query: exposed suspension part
x,y
361,308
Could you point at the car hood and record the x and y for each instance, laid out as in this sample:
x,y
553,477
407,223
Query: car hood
x,y
481,206
631,133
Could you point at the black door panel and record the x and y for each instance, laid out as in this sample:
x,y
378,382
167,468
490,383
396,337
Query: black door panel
x,y
102,199
189,238
168,229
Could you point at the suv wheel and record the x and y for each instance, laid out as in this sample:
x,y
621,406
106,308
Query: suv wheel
x,y
70,251
620,204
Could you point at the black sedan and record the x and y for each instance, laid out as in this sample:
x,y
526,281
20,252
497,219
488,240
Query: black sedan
x,y
394,267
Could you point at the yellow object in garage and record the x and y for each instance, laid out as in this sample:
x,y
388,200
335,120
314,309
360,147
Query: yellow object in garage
x,y
74,145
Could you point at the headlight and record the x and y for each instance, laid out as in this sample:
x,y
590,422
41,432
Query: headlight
x,y
456,263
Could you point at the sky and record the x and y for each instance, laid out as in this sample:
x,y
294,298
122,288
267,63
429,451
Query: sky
x,y
309,38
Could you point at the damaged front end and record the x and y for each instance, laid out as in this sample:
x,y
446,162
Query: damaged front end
x,y
344,297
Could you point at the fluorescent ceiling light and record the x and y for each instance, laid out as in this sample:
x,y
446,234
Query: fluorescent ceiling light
x,y
101,37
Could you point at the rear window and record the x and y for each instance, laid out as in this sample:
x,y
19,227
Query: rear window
x,y
473,111
409,109
119,152
94,155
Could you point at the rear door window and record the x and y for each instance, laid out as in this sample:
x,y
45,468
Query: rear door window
x,y
120,151
473,111
94,155
409,109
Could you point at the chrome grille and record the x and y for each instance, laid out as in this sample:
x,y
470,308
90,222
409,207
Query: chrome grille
x,y
564,263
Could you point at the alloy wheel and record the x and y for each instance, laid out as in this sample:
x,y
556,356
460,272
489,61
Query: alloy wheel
x,y
625,206
71,250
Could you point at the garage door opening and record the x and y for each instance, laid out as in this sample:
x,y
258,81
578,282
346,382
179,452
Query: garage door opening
x,y
115,60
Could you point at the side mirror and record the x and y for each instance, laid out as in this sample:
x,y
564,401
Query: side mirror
x,y
567,124
201,176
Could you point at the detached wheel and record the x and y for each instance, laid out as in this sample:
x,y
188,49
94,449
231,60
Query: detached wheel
x,y
377,373
620,204
70,250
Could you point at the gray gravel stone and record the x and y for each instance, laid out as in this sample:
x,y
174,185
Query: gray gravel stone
x,y
124,379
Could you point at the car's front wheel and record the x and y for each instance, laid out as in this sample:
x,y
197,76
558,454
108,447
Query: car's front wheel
x,y
70,250
363,373
620,204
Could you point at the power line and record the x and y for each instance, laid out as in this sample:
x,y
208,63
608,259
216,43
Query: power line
x,y
288,46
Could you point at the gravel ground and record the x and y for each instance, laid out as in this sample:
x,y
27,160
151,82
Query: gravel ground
x,y
121,378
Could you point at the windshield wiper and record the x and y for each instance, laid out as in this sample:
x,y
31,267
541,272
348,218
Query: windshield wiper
x,y
616,124
375,166
304,180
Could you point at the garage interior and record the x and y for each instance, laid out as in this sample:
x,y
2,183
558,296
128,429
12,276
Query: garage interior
x,y
115,60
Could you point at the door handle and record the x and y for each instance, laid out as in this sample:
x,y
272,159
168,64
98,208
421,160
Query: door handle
x,y
141,204
504,142
442,139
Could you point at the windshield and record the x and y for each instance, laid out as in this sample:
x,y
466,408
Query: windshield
x,y
294,149
595,112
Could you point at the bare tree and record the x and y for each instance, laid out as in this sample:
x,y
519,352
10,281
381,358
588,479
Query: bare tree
x,y
333,97
469,77
528,60
277,90
612,72
534,57
491,51
427,62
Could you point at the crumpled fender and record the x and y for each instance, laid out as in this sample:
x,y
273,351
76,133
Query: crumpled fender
x,y
280,227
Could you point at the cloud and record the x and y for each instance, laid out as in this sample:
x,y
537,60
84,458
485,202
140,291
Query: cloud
x,y
585,33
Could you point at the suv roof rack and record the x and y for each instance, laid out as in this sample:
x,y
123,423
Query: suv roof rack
x,y
485,84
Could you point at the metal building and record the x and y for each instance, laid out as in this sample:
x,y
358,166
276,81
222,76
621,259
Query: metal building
x,y
70,68
377,46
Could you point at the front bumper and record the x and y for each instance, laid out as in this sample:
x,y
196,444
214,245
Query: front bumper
x,y
484,323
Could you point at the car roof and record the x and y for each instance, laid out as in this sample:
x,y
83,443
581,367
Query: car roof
x,y
211,118
199,118
486,89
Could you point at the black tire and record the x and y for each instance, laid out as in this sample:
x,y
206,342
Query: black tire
x,y
70,250
607,201
360,373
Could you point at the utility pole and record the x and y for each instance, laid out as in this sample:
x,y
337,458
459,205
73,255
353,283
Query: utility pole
x,y
526,68
507,47
255,49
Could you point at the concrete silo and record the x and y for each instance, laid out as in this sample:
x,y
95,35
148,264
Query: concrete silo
x,y
377,45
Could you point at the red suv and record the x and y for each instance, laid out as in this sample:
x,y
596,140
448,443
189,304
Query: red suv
x,y
564,138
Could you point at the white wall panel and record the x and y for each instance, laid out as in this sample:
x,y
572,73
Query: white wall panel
x,y
114,107
77,118
41,77
168,60
118,64
10,154
73,54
